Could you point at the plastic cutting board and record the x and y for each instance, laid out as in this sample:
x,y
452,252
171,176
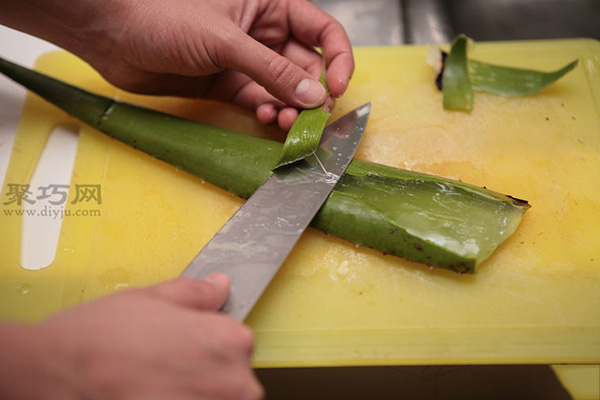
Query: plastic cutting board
x,y
536,300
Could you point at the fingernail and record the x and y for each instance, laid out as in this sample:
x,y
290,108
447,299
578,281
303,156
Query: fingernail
x,y
344,85
310,92
329,104
217,279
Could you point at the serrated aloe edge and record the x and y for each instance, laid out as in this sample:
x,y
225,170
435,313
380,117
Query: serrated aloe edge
x,y
420,217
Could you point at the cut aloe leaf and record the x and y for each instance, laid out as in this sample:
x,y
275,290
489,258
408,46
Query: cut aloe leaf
x,y
507,81
458,76
458,94
470,234
420,217
305,134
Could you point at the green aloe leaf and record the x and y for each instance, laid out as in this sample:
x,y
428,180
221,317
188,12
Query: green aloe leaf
x,y
424,218
460,76
458,94
507,81
305,134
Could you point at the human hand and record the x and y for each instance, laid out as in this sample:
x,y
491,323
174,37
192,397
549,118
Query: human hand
x,y
162,342
229,50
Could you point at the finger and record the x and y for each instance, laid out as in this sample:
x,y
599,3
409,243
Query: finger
x,y
286,118
206,294
268,108
245,386
236,337
250,95
253,96
239,89
279,75
236,88
329,104
266,113
303,56
315,27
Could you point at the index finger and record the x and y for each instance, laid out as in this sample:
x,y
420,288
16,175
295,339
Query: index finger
x,y
314,27
209,293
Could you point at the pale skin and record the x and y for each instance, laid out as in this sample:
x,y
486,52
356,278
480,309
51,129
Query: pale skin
x,y
258,54
168,341
162,342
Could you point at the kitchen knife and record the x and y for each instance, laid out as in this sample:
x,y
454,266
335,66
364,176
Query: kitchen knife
x,y
254,243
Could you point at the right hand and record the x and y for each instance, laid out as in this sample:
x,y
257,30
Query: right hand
x,y
162,342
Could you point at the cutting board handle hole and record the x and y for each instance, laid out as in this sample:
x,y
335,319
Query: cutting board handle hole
x,y
49,193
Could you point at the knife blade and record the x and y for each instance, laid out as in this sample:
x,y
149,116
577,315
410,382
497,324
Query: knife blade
x,y
257,239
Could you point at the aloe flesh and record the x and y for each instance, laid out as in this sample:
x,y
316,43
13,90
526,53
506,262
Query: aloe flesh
x,y
423,218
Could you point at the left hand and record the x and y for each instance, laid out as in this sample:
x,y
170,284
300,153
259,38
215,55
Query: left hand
x,y
258,54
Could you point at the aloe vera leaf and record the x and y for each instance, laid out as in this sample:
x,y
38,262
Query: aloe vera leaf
x,y
457,91
502,80
507,81
420,217
305,134
471,233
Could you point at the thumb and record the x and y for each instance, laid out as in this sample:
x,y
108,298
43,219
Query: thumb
x,y
206,294
279,76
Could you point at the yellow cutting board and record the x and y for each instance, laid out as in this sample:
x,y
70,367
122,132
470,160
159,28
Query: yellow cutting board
x,y
535,300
